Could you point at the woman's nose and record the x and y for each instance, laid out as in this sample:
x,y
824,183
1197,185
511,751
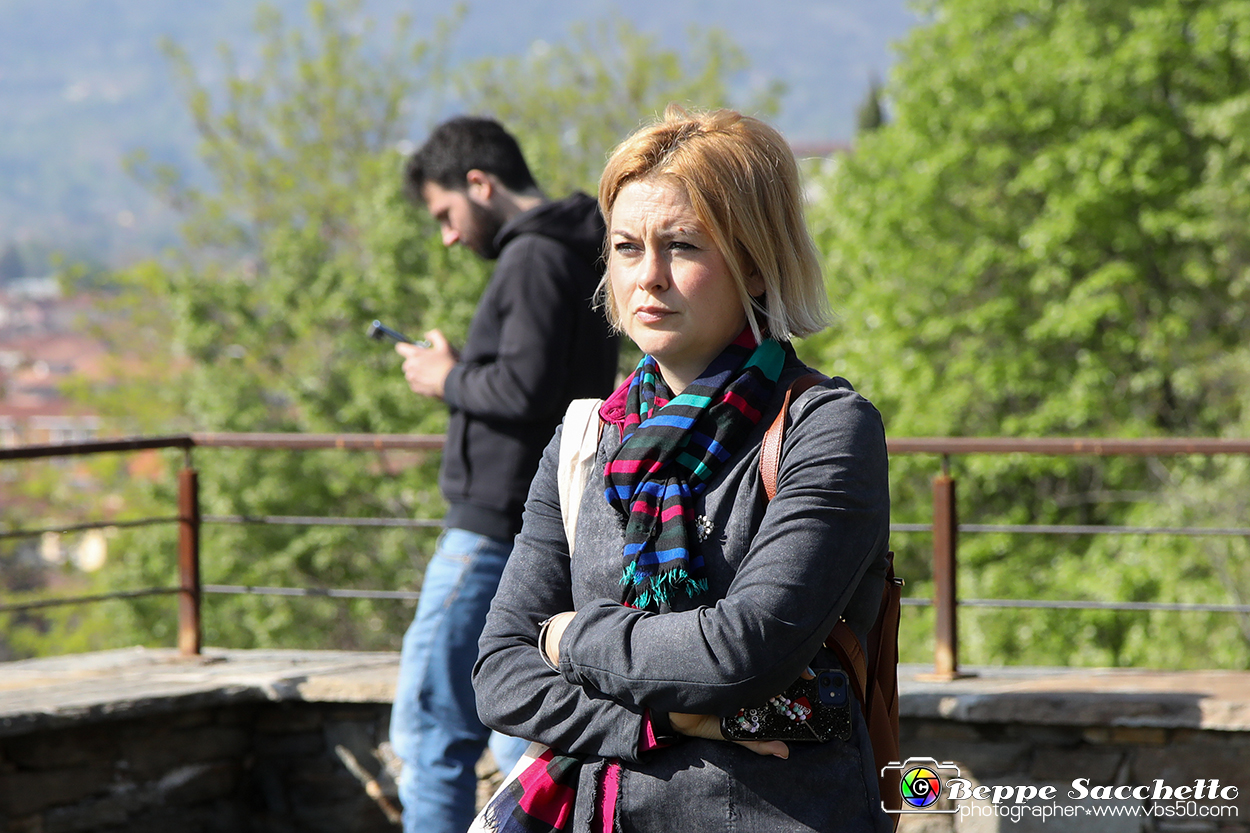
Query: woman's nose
x,y
654,275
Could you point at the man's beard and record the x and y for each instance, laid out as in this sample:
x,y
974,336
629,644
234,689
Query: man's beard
x,y
485,226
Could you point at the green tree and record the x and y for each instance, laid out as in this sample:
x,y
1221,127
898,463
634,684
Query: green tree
x,y
871,112
11,264
570,103
304,238
1049,239
298,130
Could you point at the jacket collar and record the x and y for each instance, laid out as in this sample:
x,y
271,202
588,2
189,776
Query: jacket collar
x,y
612,411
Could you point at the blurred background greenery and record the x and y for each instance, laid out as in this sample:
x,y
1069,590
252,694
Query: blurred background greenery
x,y
1038,231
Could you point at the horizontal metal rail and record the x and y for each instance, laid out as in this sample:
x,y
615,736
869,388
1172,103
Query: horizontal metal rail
x,y
1086,604
1064,446
424,523
1050,446
288,442
311,591
333,593
302,520
312,442
74,600
287,520
63,528
32,452
1057,604
1084,529
412,595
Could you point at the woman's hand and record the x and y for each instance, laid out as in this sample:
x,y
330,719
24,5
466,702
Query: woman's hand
x,y
707,726
692,725
550,644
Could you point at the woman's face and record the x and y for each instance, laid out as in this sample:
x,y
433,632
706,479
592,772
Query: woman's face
x,y
674,295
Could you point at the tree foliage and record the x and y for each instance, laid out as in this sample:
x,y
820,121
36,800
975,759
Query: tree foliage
x,y
1049,240
11,264
571,102
296,130
302,238
871,112
1046,239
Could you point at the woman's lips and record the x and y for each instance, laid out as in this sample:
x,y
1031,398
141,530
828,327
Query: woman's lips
x,y
651,315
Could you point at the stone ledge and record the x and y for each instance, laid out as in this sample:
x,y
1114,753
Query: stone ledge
x,y
133,682
1105,697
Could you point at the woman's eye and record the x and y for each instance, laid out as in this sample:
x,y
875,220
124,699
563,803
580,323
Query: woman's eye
x,y
624,246
682,245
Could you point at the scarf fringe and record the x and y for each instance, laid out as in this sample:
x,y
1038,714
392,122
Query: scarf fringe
x,y
660,468
664,587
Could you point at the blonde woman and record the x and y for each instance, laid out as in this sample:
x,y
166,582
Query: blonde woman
x,y
691,598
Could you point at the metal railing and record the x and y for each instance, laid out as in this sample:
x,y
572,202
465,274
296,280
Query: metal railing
x,y
945,527
190,589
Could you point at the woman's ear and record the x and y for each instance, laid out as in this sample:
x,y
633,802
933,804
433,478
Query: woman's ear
x,y
755,285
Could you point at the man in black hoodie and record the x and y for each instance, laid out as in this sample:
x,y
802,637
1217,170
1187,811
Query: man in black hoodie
x,y
535,344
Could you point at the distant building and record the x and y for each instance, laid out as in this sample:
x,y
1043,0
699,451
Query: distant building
x,y
41,348
27,426
45,288
818,150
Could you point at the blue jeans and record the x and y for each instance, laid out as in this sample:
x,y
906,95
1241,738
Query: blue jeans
x,y
435,729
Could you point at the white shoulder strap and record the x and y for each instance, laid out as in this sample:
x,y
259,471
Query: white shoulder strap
x,y
579,441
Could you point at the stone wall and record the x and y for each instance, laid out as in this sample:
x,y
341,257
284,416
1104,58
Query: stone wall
x,y
273,767
248,767
240,741
1028,746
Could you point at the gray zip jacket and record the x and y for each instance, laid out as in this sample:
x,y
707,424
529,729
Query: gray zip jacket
x,y
780,573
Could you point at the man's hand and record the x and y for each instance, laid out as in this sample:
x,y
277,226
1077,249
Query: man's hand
x,y
426,368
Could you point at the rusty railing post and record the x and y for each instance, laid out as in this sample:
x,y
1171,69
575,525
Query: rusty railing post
x,y
945,543
189,628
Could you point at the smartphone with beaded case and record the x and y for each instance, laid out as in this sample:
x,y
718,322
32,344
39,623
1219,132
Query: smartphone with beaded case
x,y
814,710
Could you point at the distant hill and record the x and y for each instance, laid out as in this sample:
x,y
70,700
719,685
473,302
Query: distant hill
x,y
82,82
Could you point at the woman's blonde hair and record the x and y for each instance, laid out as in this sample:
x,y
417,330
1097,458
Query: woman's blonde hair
x,y
743,183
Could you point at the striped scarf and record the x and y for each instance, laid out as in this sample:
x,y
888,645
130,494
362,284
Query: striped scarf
x,y
670,453
672,449
539,800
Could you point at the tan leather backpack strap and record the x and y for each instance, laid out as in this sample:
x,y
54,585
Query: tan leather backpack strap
x,y
770,449
845,645
877,695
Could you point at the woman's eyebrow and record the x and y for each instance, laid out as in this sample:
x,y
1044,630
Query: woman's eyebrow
x,y
687,226
683,229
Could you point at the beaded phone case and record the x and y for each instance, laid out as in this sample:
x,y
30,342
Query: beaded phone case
x,y
814,710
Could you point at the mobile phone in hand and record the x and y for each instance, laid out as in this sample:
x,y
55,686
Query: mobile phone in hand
x,y
379,331
810,710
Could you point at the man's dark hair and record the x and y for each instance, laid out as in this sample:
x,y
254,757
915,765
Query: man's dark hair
x,y
463,144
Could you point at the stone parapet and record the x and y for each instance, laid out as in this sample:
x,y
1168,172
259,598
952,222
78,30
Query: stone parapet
x,y
1129,732
139,739
143,740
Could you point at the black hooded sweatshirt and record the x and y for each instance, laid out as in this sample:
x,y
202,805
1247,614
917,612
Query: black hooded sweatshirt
x,y
535,344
